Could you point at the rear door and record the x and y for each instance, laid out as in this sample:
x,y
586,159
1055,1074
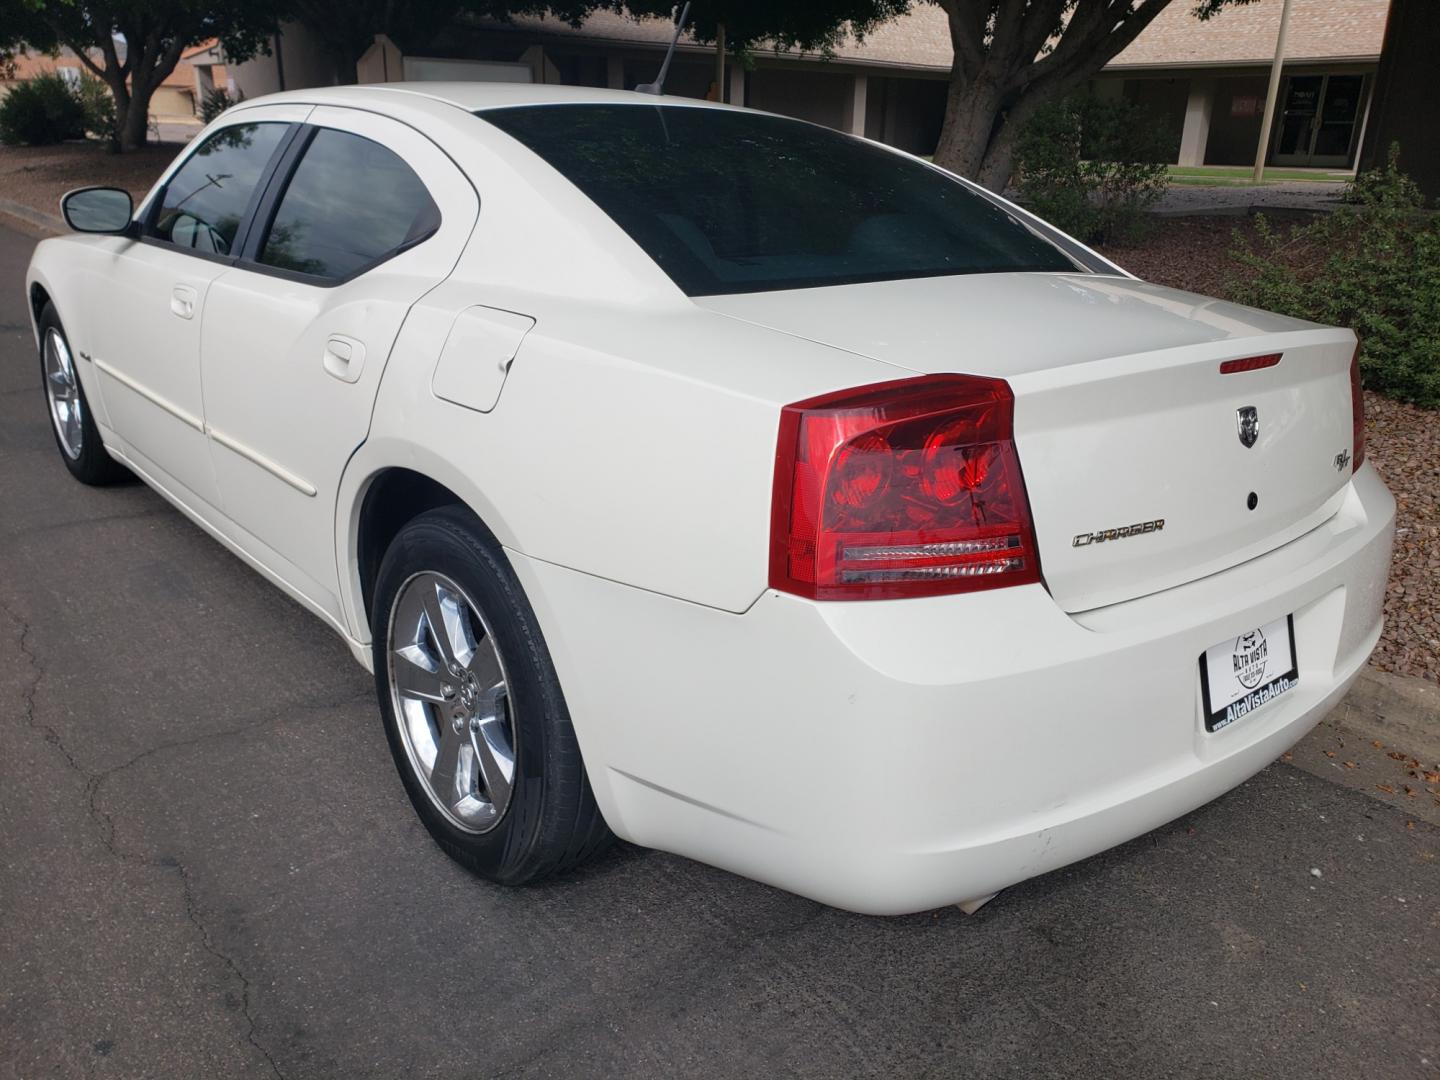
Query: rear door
x,y
363,217
150,310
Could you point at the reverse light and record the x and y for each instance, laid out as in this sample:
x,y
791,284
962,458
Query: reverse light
x,y
900,489
1357,413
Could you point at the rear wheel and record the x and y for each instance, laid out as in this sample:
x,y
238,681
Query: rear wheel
x,y
74,428
473,710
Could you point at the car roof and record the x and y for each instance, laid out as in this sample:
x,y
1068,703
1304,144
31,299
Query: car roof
x,y
477,96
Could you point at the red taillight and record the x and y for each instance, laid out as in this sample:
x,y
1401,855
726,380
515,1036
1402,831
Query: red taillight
x,y
907,488
1357,412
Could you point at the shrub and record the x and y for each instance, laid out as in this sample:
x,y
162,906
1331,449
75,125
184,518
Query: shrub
x,y
1372,265
1092,166
215,102
98,104
40,111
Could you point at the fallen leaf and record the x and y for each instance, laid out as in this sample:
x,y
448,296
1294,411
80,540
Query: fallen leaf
x,y
1351,765
1330,753
1386,788
1378,745
1395,755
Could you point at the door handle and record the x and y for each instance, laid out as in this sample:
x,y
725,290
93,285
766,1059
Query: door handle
x,y
182,301
344,357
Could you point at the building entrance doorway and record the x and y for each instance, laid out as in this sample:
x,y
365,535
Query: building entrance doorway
x,y
1319,121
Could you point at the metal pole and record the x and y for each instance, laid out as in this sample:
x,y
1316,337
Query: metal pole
x,y
720,62
1272,94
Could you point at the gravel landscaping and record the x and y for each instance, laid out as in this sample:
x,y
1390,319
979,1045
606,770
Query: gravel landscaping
x,y
37,176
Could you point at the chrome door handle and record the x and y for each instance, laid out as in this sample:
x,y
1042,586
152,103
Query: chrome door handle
x,y
182,301
344,357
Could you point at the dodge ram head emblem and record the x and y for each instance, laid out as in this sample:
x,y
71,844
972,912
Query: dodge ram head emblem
x,y
1248,420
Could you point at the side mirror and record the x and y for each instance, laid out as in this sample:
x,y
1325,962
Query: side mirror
x,y
97,210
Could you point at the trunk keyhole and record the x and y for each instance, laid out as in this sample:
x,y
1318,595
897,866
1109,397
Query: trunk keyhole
x,y
1252,501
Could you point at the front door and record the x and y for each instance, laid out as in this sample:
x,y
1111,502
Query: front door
x,y
1319,121
372,216
151,306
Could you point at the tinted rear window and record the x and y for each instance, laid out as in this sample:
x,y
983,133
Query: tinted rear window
x,y
729,202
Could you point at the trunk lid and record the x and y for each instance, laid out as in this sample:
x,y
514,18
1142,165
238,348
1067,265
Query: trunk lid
x,y
1128,433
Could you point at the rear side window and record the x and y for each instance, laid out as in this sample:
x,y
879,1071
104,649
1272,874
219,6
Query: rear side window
x,y
728,202
210,195
350,204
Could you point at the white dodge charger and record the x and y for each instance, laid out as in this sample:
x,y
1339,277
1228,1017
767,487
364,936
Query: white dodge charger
x,y
727,484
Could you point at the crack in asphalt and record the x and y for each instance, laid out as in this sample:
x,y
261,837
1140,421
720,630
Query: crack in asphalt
x,y
107,822
193,914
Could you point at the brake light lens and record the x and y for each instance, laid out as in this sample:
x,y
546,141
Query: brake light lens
x,y
901,489
1250,363
1357,412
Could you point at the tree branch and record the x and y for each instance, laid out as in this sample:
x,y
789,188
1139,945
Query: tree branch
x,y
1106,28
967,32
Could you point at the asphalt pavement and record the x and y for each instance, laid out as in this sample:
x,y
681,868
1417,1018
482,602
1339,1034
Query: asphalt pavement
x,y
208,869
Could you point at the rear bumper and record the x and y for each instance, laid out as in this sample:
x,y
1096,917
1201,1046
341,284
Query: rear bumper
x,y
889,757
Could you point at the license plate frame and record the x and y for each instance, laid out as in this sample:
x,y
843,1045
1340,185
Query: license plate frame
x,y
1255,675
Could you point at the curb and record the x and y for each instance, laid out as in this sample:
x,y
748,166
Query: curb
x,y
1398,710
30,216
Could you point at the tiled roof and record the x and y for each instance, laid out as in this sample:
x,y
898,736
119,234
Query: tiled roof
x,y
1319,30
203,47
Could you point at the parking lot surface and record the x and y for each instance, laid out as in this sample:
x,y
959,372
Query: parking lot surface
x,y
210,870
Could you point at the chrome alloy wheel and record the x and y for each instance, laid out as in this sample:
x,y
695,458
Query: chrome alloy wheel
x,y
448,689
62,391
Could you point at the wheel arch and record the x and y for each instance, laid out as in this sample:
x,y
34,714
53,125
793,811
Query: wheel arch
x,y
39,297
377,498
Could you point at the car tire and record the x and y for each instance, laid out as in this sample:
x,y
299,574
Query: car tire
x,y
445,569
71,422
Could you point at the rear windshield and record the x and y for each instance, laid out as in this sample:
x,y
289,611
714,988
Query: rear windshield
x,y
731,202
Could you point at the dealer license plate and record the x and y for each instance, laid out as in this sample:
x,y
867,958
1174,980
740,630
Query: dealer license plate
x,y
1241,674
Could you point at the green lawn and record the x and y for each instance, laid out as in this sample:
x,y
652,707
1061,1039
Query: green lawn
x,y
1238,175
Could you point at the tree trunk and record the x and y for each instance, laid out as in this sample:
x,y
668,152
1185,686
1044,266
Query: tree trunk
x,y
120,91
134,123
970,112
998,164
997,83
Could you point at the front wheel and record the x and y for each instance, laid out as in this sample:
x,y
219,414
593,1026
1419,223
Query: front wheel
x,y
75,432
474,714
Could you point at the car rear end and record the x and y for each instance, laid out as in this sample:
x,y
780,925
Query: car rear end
x,y
943,715
1084,555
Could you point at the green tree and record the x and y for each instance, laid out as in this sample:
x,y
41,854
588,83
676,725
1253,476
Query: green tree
x,y
132,45
1013,56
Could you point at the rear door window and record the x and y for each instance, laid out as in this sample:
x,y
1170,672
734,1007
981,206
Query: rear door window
x,y
350,205
209,197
